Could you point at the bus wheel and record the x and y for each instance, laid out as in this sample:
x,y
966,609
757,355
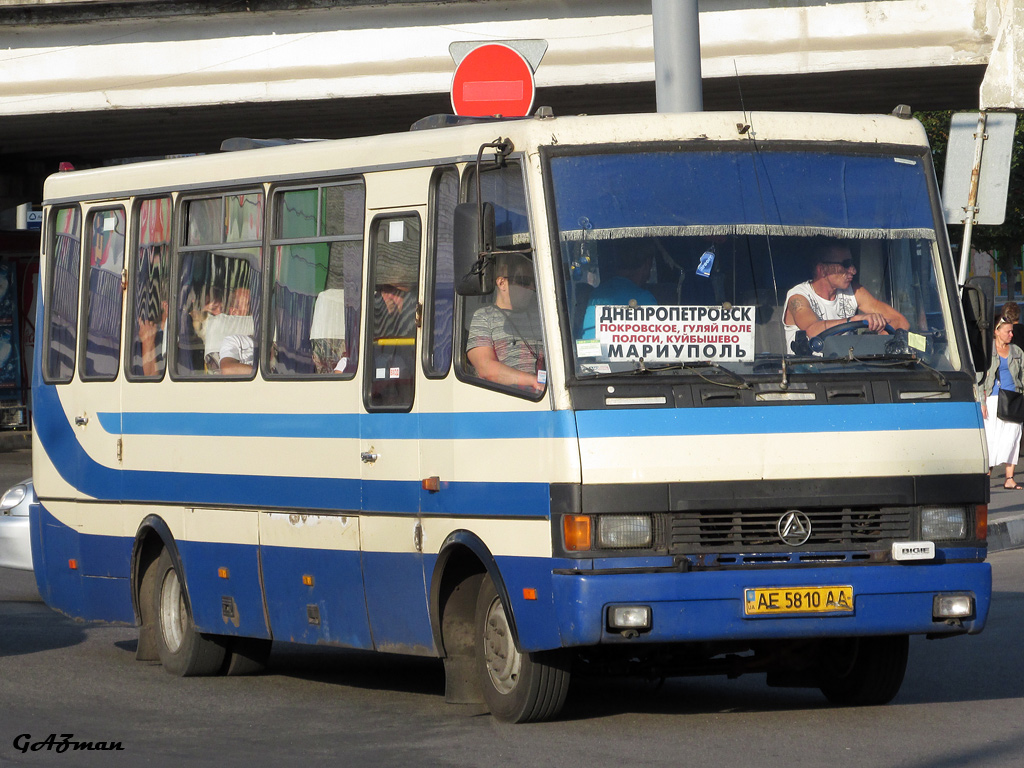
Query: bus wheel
x,y
518,687
183,651
863,671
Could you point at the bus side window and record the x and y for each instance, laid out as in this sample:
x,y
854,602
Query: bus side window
x,y
219,285
439,303
102,351
317,280
64,254
395,269
501,338
151,289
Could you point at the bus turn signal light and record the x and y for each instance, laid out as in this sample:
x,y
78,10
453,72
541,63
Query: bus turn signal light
x,y
981,522
576,529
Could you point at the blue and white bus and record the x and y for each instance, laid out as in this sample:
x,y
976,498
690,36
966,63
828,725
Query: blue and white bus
x,y
342,393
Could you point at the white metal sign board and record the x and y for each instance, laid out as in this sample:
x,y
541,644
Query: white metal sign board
x,y
995,167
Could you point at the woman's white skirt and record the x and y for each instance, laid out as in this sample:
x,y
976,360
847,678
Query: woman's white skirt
x,y
1003,436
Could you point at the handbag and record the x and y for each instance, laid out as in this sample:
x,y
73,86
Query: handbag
x,y
1011,406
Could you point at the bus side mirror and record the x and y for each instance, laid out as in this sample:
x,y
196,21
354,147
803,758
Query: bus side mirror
x,y
978,300
474,249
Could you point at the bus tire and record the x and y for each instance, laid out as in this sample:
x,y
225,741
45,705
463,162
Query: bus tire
x,y
183,651
517,687
865,671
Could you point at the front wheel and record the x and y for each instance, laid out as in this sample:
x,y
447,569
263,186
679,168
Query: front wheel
x,y
183,651
518,687
863,671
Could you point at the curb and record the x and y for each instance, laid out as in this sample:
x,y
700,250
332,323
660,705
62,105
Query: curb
x,y
15,440
1007,533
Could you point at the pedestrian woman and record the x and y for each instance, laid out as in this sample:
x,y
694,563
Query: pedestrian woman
x,y
1006,371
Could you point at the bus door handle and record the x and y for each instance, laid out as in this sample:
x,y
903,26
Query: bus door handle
x,y
368,457
81,421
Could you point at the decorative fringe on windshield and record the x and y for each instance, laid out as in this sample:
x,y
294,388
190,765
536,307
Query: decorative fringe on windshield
x,y
773,230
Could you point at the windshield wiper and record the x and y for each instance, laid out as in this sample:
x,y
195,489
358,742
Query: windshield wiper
x,y
787,363
696,367
699,368
909,360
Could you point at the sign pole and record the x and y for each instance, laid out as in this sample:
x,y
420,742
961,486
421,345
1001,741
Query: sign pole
x,y
972,198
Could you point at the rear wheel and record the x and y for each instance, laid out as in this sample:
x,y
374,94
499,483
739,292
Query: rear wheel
x,y
518,687
863,671
183,651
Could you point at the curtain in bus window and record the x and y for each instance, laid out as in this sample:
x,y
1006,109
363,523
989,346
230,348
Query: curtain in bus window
x,y
219,295
709,193
63,310
243,218
446,196
219,283
302,274
152,283
205,226
317,283
392,371
106,262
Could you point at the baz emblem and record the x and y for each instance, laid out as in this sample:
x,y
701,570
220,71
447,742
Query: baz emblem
x,y
794,528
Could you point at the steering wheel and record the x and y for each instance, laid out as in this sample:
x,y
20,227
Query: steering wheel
x,y
818,342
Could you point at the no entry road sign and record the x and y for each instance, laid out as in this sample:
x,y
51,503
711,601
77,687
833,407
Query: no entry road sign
x,y
493,80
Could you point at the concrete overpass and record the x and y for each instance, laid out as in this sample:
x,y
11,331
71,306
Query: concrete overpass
x,y
94,80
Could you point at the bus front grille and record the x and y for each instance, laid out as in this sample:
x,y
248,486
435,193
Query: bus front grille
x,y
725,530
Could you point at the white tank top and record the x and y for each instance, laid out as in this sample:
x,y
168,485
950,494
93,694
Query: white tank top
x,y
844,305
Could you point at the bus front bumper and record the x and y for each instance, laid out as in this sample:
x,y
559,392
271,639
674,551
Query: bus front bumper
x,y
707,606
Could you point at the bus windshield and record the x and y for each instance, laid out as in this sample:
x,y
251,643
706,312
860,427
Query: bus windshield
x,y
676,258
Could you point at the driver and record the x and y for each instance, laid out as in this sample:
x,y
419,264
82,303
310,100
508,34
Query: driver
x,y
832,298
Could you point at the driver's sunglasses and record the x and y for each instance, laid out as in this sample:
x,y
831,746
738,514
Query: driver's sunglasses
x,y
524,281
846,264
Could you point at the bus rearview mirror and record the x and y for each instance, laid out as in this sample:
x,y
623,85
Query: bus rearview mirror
x,y
474,248
978,300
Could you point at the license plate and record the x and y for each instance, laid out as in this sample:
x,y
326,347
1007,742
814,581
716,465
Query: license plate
x,y
789,601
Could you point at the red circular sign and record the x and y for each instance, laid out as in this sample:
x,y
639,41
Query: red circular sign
x,y
492,80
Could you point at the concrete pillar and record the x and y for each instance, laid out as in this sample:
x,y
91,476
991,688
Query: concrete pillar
x,y
677,73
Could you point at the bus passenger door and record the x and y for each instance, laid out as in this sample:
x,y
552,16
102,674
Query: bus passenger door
x,y
390,529
94,406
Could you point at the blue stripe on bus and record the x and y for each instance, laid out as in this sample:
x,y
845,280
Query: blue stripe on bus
x,y
59,440
775,420
373,426
553,424
502,499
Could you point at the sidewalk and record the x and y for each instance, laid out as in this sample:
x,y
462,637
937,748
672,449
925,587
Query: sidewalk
x,y
1005,513
13,440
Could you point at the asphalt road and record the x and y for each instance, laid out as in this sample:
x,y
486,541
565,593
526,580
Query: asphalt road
x,y
962,704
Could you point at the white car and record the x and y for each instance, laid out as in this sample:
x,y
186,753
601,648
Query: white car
x,y
15,543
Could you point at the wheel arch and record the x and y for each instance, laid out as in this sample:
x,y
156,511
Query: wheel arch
x,y
152,537
462,556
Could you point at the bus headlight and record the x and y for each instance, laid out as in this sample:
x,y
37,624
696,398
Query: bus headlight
x,y
624,531
629,617
943,523
952,607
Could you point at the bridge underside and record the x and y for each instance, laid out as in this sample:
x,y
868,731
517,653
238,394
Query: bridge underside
x,y
94,81
110,134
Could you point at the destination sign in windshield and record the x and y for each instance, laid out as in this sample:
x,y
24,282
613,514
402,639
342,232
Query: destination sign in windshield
x,y
672,333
